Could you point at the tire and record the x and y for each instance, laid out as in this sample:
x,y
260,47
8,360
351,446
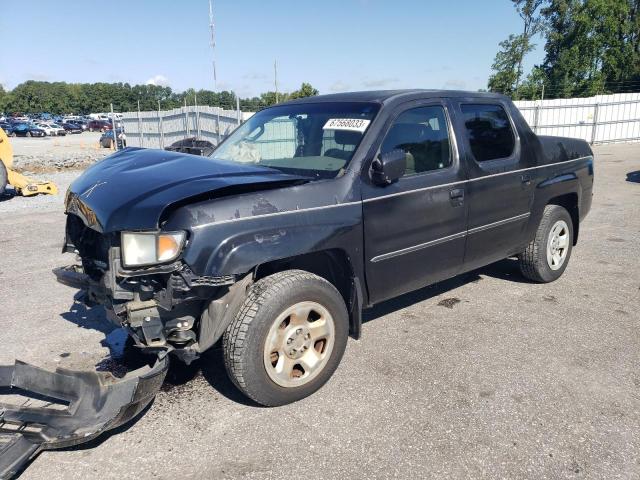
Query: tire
x,y
28,134
252,366
4,178
553,237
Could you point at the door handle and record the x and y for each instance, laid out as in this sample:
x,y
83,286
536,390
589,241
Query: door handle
x,y
457,196
526,178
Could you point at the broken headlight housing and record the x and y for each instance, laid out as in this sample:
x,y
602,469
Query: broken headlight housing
x,y
150,248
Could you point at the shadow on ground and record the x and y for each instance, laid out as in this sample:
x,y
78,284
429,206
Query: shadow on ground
x,y
8,194
633,176
125,356
504,270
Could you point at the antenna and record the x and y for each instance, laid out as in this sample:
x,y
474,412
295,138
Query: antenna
x,y
213,45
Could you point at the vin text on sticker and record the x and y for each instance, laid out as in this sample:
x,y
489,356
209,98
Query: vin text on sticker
x,y
351,124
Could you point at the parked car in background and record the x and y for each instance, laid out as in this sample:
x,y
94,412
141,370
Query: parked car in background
x,y
72,127
27,130
58,129
8,128
192,145
47,129
98,126
81,123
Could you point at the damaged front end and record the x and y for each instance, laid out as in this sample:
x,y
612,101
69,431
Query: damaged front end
x,y
163,306
76,407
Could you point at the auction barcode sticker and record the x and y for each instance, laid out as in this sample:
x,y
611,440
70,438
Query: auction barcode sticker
x,y
351,124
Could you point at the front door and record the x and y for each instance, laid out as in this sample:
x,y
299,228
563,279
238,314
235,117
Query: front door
x,y
414,229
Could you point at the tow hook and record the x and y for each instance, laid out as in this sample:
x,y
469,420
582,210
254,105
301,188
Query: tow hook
x,y
78,407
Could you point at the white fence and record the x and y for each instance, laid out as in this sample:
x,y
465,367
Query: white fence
x,y
159,129
601,119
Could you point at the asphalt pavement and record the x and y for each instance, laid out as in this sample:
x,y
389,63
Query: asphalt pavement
x,y
483,376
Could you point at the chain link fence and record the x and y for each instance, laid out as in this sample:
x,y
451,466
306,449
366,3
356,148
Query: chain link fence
x,y
600,119
159,129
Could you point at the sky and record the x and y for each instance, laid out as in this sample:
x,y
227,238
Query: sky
x,y
336,45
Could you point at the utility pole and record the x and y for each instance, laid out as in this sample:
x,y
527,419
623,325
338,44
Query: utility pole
x,y
275,77
213,63
542,96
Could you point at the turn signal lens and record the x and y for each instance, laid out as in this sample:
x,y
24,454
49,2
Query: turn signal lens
x,y
169,246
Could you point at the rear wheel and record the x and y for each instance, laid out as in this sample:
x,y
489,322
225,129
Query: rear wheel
x,y
287,339
3,178
545,259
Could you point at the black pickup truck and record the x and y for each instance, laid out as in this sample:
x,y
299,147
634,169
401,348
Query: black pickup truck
x,y
312,211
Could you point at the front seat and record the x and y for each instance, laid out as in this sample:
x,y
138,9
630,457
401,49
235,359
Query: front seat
x,y
344,138
407,137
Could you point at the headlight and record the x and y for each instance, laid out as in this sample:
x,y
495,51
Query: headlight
x,y
140,249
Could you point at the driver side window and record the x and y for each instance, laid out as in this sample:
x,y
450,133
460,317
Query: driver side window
x,y
423,135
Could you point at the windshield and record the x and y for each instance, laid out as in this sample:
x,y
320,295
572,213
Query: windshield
x,y
314,140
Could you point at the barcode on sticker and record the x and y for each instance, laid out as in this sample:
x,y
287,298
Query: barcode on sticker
x,y
351,124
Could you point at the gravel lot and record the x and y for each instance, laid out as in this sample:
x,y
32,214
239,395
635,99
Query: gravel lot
x,y
49,154
515,380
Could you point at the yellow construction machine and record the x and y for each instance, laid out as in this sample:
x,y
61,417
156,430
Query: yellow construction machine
x,y
22,184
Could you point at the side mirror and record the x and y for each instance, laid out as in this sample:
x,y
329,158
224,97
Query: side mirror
x,y
388,167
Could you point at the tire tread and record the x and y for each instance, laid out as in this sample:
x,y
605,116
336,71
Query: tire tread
x,y
234,337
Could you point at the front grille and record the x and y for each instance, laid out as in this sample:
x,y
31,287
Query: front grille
x,y
93,247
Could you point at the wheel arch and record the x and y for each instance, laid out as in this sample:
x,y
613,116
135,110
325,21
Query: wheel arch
x,y
570,202
335,266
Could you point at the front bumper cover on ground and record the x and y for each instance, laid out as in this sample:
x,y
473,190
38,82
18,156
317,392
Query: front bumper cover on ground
x,y
95,402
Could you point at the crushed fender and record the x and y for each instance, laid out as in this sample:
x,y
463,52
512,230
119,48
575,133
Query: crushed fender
x,y
87,405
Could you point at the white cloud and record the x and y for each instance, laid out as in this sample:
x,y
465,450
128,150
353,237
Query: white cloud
x,y
338,86
159,80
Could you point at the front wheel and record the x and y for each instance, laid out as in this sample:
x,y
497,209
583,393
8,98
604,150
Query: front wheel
x,y
287,339
545,259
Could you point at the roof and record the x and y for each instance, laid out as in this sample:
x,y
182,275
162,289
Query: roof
x,y
387,96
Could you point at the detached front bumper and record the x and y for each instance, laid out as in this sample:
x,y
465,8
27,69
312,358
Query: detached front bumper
x,y
95,403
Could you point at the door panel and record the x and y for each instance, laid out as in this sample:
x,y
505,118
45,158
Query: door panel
x,y
414,229
499,192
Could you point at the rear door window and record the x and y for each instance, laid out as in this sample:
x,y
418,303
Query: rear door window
x,y
491,136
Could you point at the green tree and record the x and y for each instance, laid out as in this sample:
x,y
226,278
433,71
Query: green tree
x,y
591,46
306,90
508,63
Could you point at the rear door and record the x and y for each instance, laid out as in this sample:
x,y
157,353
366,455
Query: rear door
x,y
499,191
414,229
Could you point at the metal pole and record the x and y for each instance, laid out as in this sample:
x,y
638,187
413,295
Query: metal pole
x,y
195,102
595,123
113,126
238,114
186,117
218,125
160,126
140,127
213,45
536,118
275,77
542,96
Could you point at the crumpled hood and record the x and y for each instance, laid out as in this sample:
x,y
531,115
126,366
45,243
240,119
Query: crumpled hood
x,y
130,189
